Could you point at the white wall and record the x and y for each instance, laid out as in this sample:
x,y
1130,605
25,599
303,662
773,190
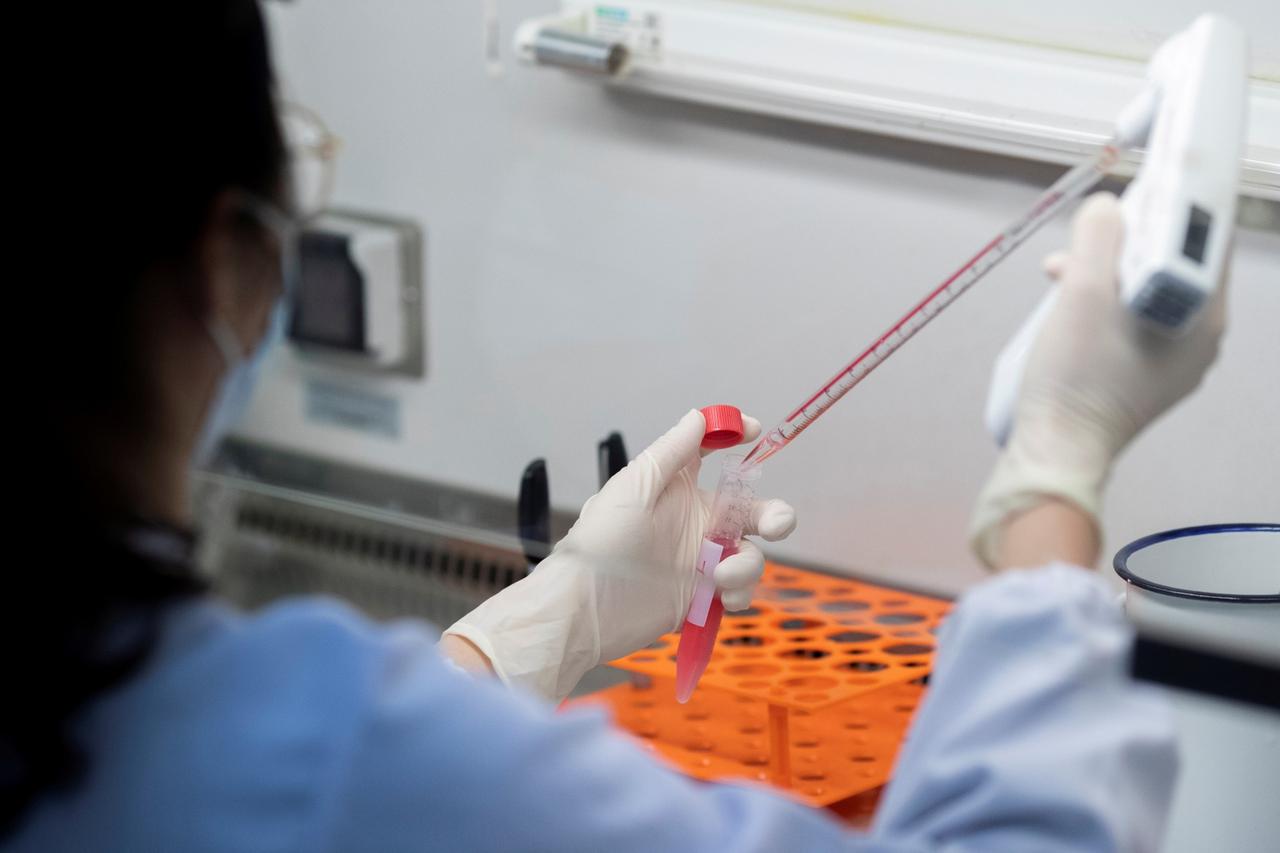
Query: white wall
x,y
601,261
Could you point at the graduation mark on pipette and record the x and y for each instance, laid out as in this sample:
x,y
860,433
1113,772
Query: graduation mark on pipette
x,y
1070,186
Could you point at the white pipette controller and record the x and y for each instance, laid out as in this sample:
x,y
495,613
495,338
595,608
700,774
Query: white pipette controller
x,y
1180,208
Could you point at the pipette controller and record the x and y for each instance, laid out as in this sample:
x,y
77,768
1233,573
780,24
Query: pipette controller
x,y
1179,209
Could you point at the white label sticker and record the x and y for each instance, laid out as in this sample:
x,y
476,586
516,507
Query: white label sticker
x,y
353,409
638,28
709,556
705,588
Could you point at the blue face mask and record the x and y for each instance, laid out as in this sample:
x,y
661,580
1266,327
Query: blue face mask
x,y
241,375
236,390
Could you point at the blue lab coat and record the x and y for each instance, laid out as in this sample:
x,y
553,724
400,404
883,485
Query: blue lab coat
x,y
308,728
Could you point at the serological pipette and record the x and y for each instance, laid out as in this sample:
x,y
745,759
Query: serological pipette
x,y
732,503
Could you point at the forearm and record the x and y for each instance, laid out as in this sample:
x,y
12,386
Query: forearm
x,y
1053,530
465,654
1033,736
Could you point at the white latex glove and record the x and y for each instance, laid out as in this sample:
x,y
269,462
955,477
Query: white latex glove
x,y
624,574
1095,378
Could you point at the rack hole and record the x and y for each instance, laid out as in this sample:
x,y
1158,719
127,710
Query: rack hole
x,y
741,614
804,653
752,669
743,640
853,637
863,665
899,618
843,606
755,761
862,759
785,593
908,649
813,777
811,682
799,624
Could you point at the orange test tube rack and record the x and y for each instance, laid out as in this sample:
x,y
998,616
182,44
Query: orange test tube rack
x,y
810,690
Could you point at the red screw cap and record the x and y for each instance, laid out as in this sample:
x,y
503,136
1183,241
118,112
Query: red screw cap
x,y
724,427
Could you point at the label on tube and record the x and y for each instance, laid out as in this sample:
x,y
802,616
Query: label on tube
x,y
705,589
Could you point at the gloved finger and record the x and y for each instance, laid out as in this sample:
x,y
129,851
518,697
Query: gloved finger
x,y
738,599
741,570
750,432
1095,243
676,448
1055,264
771,520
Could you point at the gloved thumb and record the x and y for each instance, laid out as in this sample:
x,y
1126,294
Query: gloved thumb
x,y
677,448
1095,244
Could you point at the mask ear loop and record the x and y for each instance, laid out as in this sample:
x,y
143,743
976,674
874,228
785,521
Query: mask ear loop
x,y
288,232
225,341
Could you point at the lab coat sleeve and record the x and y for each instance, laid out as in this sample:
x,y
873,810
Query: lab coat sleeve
x,y
1033,737
447,761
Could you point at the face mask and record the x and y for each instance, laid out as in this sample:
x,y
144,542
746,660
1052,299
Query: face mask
x,y
241,375
238,381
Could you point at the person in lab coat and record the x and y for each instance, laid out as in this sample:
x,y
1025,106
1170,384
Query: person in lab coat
x,y
141,714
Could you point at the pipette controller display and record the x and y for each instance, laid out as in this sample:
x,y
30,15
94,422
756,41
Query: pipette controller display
x,y
1070,186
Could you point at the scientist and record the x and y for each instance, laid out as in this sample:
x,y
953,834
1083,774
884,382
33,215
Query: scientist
x,y
140,714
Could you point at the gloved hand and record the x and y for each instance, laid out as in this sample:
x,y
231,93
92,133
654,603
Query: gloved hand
x,y
624,574
1094,379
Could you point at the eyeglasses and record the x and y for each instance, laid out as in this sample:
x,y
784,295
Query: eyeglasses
x,y
313,152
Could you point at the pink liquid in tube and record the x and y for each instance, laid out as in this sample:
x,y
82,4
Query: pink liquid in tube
x,y
729,514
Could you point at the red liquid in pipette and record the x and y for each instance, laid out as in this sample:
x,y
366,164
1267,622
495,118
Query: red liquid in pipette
x,y
697,642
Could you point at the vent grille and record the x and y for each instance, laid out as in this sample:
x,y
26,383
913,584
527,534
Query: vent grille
x,y
258,547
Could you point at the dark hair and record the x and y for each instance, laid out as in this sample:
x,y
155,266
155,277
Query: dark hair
x,y
173,105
